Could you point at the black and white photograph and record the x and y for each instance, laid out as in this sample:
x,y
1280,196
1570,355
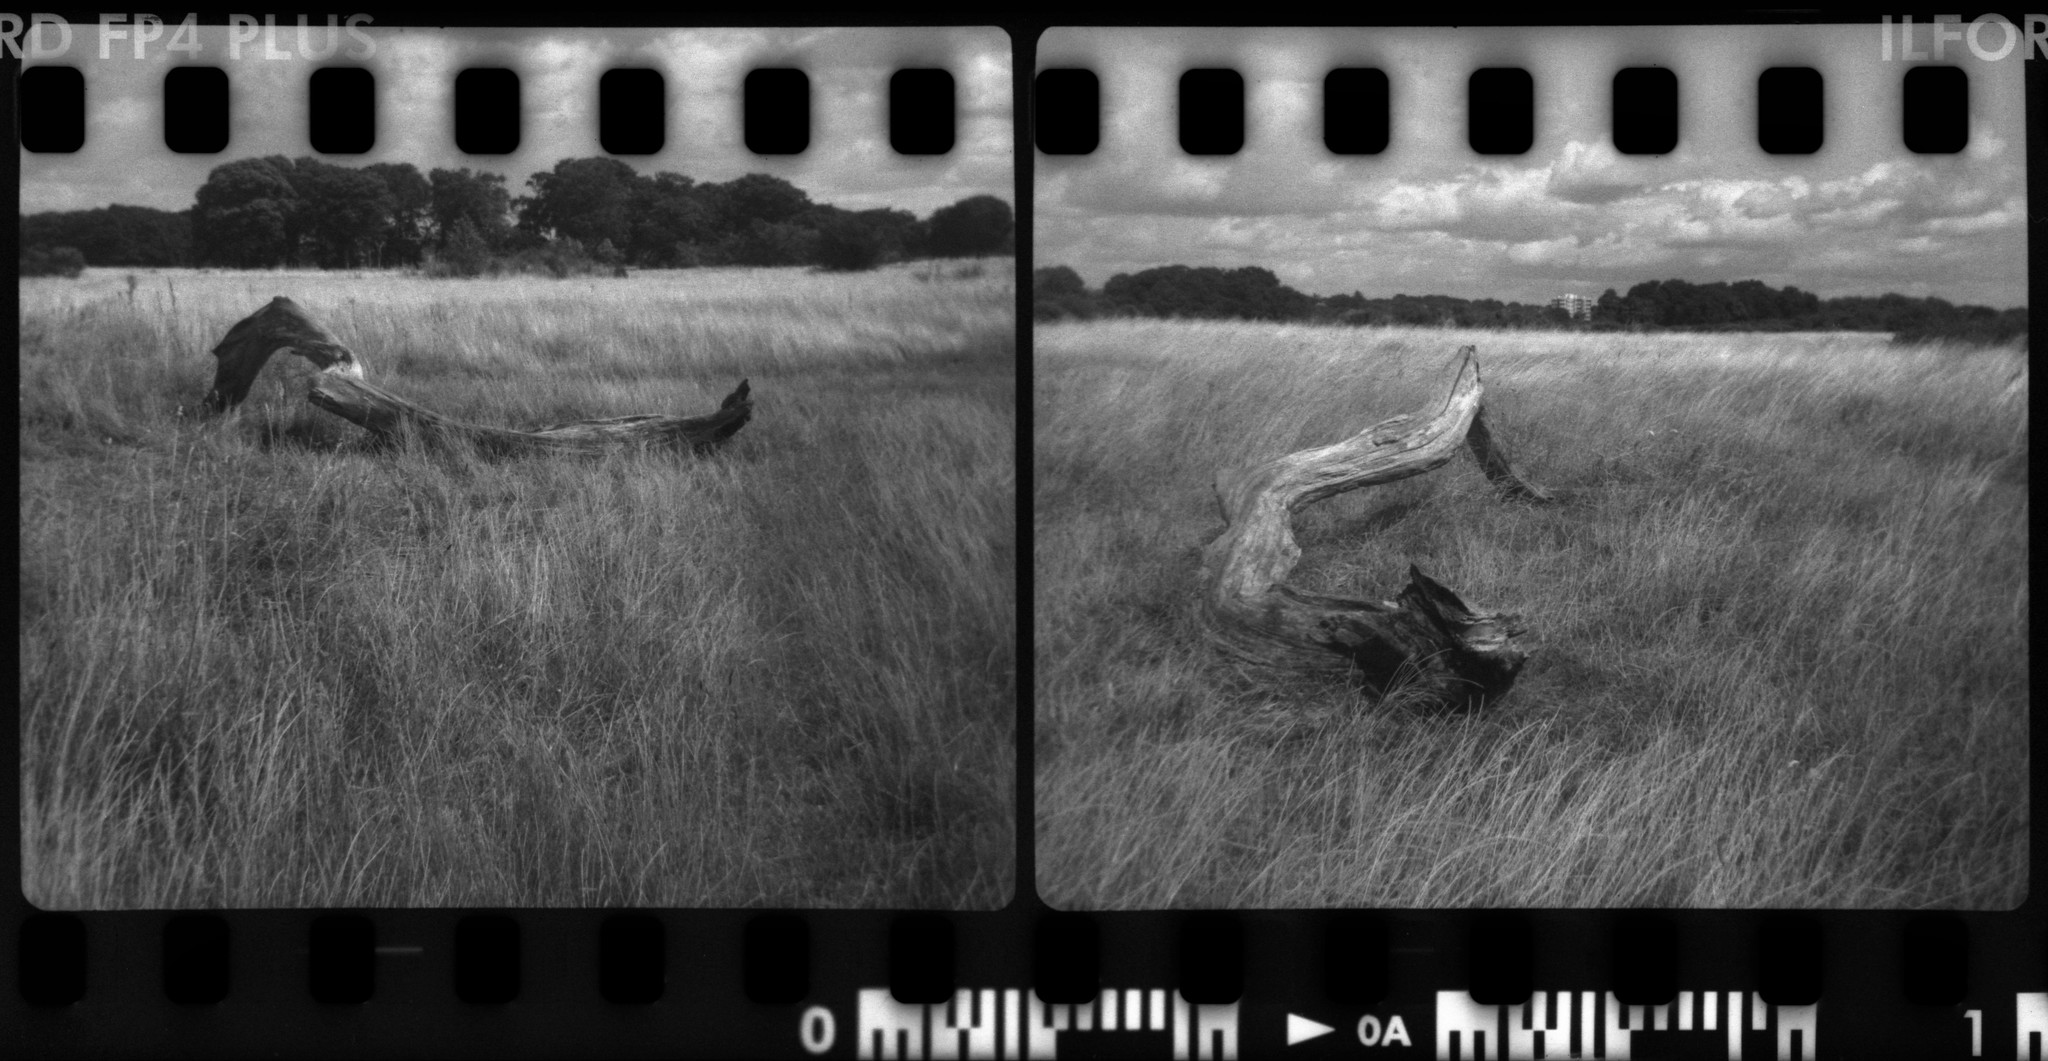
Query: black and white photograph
x,y
1532,467
573,521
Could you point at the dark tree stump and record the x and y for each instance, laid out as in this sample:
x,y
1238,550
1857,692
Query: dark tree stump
x,y
339,388
1427,639
280,327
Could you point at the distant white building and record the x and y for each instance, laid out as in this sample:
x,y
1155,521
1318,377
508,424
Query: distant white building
x,y
1579,306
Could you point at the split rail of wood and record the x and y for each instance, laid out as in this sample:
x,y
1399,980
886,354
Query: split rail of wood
x,y
340,388
1427,640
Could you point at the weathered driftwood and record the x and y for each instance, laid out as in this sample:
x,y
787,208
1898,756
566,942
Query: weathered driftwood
x,y
388,415
339,388
1427,639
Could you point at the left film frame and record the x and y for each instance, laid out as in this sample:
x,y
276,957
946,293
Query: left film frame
x,y
808,687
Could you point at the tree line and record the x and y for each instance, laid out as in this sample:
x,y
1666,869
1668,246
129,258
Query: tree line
x,y
584,214
1251,293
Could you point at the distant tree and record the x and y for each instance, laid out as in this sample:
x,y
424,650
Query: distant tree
x,y
1250,293
115,235
1058,293
1794,303
566,256
670,212
343,213
1411,310
585,199
1340,308
246,214
900,233
769,244
518,241
405,232
1608,307
758,197
480,197
51,261
1753,300
466,253
1897,313
1056,280
847,243
973,226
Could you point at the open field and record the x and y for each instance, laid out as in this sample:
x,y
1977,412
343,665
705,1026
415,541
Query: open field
x,y
265,665
1780,630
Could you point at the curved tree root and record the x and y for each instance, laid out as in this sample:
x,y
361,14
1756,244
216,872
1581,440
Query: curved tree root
x,y
1427,639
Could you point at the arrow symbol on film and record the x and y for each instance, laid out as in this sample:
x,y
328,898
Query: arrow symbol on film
x,y
1301,1029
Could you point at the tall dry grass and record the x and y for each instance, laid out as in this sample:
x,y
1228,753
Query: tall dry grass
x,y
262,665
1781,632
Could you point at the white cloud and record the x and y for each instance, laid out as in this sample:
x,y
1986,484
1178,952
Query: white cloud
x,y
1412,206
1862,215
1595,173
1540,252
2011,215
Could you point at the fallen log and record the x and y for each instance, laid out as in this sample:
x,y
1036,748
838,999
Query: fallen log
x,y
389,416
1427,640
339,388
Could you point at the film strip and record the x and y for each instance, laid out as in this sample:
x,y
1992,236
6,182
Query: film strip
x,y
439,691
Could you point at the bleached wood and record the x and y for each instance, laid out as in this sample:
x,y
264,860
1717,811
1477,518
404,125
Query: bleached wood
x,y
386,414
1427,638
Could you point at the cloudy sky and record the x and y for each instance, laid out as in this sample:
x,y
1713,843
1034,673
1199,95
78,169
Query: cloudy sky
x,y
1427,216
849,162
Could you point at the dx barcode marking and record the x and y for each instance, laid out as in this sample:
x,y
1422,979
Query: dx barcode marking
x,y
1007,1023
1594,1024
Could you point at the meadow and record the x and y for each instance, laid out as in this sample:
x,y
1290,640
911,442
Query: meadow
x,y
1779,627
264,664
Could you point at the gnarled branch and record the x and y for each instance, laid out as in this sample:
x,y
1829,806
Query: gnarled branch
x,y
339,388
1427,635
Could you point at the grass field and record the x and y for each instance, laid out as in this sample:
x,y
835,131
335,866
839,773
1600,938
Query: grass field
x,y
264,665
1780,631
